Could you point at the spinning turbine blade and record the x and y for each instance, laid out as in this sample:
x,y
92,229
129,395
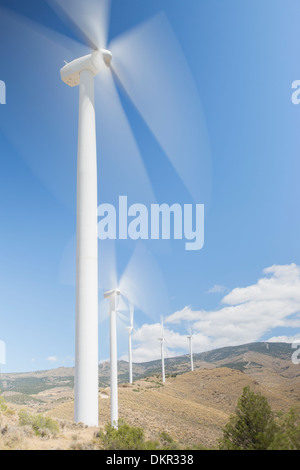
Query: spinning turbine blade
x,y
122,306
44,141
107,266
107,272
162,326
103,310
123,318
90,18
121,169
143,284
152,68
131,315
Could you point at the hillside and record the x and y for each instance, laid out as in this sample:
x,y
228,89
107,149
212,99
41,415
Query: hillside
x,y
255,359
191,406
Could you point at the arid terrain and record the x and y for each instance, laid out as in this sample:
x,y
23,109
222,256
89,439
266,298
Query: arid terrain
x,y
192,407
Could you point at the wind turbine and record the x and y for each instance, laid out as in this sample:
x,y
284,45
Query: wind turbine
x,y
151,67
114,409
130,330
141,285
190,338
162,348
81,72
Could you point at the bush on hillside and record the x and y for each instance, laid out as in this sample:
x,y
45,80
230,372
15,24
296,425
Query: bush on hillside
x,y
131,438
39,423
256,427
252,427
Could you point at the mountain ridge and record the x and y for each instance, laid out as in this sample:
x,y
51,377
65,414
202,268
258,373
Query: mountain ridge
x,y
241,357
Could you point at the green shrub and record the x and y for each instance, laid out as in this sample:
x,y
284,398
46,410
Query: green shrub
x,y
167,442
287,436
130,438
3,405
39,423
256,427
253,426
123,438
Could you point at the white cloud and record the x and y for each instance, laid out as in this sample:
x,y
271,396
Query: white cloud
x,y
282,285
248,314
52,359
285,339
147,346
67,360
217,289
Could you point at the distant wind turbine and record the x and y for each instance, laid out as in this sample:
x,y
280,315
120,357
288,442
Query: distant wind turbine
x,y
141,285
190,338
162,346
130,330
114,409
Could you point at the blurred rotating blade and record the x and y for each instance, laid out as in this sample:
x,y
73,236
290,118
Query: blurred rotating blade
x,y
89,18
122,317
107,268
151,66
131,309
41,116
143,285
121,168
122,304
162,326
103,309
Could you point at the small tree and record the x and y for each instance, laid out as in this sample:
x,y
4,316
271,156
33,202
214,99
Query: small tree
x,y
288,434
252,427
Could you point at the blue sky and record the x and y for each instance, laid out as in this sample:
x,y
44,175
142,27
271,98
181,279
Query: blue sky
x,y
243,59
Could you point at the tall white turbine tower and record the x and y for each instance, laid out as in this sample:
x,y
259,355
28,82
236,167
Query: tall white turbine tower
x,y
130,330
162,346
82,72
114,408
149,63
190,338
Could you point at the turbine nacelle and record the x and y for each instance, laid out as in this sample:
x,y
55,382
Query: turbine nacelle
x,y
70,73
112,292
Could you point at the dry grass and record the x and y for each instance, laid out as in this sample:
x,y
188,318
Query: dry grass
x,y
192,408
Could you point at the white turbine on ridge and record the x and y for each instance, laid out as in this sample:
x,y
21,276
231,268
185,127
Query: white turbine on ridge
x,y
190,338
130,330
162,346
